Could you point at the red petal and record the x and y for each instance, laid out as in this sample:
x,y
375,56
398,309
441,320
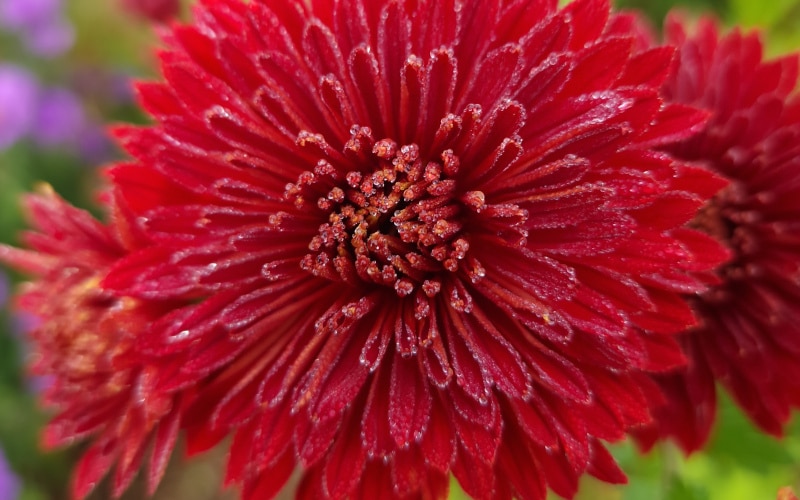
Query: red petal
x,y
533,424
438,442
314,439
163,444
475,477
376,425
200,439
604,467
649,68
587,19
345,463
271,480
516,462
559,473
675,122
93,465
240,466
375,483
599,66
408,471
410,401
559,375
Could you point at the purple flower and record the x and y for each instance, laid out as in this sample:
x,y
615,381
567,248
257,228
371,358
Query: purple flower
x,y
40,23
51,116
51,39
9,483
61,121
60,118
102,85
19,96
19,15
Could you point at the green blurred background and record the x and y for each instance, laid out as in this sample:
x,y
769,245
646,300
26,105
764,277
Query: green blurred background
x,y
109,48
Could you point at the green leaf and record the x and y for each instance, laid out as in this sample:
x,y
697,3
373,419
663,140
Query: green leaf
x,y
679,490
737,441
763,14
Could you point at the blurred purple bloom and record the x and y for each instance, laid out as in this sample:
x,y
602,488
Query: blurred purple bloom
x,y
60,118
20,15
9,483
19,96
40,23
50,116
62,121
107,86
51,39
94,146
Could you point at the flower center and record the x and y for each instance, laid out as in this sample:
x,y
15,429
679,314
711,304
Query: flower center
x,y
398,225
83,341
730,218
710,220
727,218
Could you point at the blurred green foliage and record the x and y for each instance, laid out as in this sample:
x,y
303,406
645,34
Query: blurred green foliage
x,y
779,18
656,10
740,463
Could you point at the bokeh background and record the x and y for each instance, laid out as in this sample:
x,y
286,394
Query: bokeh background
x,y
65,73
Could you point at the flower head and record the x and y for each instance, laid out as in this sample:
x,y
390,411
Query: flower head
x,y
749,336
82,342
19,97
405,239
9,482
40,23
60,118
51,116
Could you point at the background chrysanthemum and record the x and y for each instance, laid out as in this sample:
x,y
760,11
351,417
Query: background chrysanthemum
x,y
82,343
749,337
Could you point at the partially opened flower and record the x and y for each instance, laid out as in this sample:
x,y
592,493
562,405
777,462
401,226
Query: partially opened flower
x,y
82,343
403,239
40,24
749,337
19,97
60,118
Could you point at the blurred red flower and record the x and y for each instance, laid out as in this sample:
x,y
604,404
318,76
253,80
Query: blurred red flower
x,y
83,342
749,336
155,10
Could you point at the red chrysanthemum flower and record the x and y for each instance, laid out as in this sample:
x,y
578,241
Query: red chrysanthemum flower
x,y
413,238
84,343
749,337
424,237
